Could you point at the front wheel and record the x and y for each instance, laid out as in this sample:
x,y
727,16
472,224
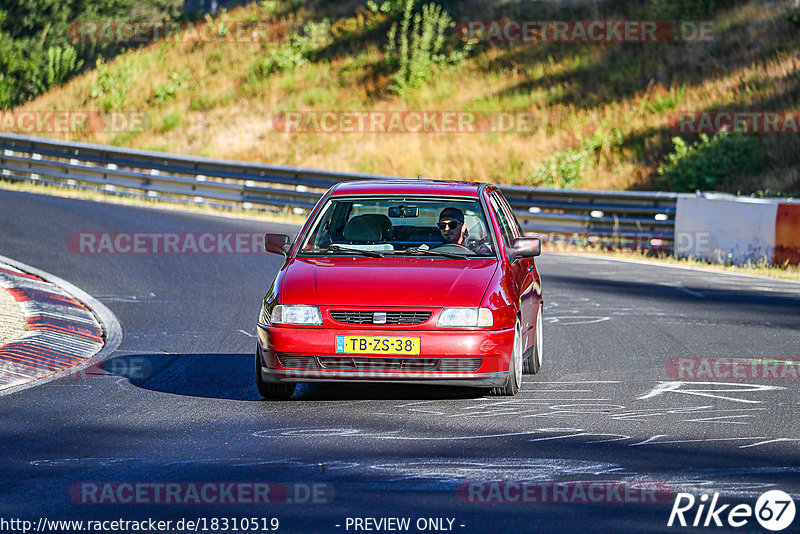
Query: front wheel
x,y
514,368
268,390
534,362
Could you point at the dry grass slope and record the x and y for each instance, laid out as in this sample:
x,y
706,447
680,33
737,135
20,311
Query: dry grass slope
x,y
202,98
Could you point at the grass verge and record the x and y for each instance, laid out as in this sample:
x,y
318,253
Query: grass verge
x,y
600,115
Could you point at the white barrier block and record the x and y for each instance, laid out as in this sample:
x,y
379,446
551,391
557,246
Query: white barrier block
x,y
723,228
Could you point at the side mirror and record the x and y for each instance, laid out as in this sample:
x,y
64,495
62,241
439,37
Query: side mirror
x,y
277,244
525,247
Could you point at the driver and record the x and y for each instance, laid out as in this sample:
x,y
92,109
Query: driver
x,y
451,226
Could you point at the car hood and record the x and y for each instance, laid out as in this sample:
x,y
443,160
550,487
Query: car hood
x,y
386,281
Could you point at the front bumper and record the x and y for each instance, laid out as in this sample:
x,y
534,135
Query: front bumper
x,y
473,358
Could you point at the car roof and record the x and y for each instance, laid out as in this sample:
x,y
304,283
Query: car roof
x,y
408,187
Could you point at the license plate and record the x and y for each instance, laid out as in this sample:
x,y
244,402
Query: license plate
x,y
377,345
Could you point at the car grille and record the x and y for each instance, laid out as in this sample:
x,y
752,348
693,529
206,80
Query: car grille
x,y
298,362
379,364
392,318
461,365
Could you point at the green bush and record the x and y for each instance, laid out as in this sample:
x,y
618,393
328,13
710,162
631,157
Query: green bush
x,y
167,91
565,169
20,73
112,85
62,64
171,120
295,51
711,162
418,43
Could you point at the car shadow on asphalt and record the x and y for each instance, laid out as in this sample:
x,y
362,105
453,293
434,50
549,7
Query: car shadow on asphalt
x,y
230,376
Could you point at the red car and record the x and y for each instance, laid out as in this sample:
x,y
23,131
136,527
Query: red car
x,y
406,282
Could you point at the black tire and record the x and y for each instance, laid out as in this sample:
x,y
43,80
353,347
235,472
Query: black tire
x,y
514,368
533,363
268,390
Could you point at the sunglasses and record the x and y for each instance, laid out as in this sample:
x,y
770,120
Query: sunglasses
x,y
444,225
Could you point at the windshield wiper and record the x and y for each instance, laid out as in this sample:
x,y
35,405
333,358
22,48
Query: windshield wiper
x,y
417,250
340,248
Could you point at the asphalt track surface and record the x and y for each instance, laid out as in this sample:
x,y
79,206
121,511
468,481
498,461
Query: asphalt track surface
x,y
179,404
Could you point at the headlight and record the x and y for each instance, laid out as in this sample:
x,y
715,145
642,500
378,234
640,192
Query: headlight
x,y
464,317
296,315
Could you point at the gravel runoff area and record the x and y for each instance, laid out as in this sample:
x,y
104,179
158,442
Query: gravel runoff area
x,y
12,322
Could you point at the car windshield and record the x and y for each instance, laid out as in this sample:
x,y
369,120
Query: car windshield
x,y
400,226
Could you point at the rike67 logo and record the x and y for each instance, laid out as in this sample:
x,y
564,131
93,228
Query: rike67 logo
x,y
774,510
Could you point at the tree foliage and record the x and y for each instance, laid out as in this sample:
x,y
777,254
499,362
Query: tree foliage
x,y
418,43
710,162
36,52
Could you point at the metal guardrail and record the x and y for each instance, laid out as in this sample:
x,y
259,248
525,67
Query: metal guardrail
x,y
630,219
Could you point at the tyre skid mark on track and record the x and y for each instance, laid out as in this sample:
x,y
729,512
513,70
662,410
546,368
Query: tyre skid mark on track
x,y
720,419
448,474
654,440
536,435
564,408
773,440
